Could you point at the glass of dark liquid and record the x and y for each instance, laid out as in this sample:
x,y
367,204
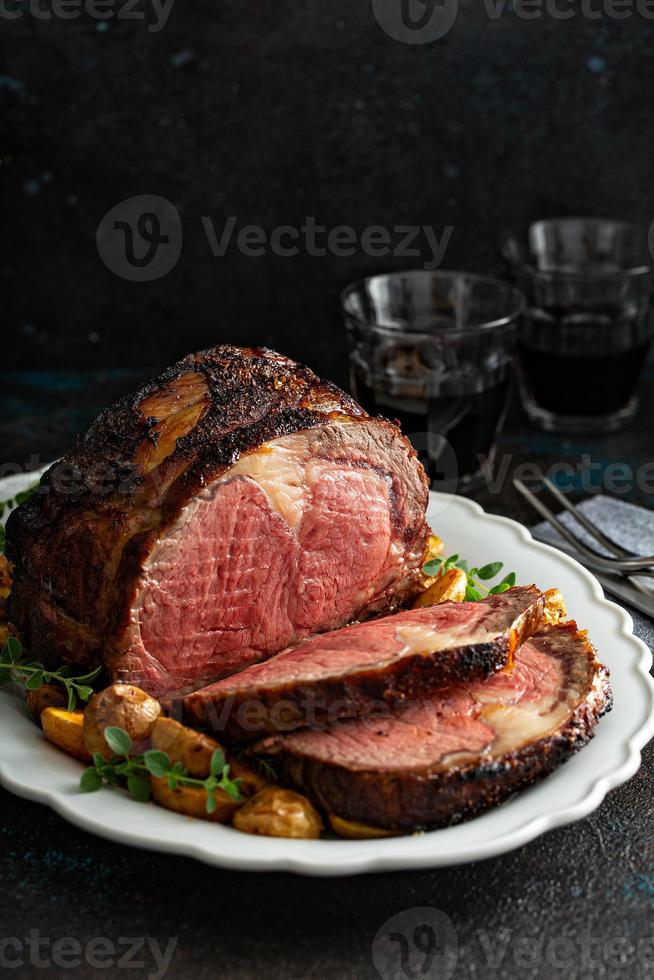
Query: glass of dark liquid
x,y
587,327
433,350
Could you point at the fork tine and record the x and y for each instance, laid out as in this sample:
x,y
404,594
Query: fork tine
x,y
629,566
592,529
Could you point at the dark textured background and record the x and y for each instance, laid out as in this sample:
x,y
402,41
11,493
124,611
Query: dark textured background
x,y
272,112
276,110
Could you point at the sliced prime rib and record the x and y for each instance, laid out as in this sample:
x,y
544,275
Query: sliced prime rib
x,y
443,759
231,507
343,673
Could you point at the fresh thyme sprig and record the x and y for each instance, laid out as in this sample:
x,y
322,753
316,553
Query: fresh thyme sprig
x,y
18,669
137,769
476,577
9,504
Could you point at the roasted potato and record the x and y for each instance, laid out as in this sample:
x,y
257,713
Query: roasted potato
x,y
435,548
450,586
194,751
185,745
555,609
5,578
353,830
46,696
276,812
192,801
65,730
121,706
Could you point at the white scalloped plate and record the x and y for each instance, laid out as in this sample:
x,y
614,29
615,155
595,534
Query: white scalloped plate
x,y
32,768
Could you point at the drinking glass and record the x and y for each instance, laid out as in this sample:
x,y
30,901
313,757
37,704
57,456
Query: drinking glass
x,y
433,350
587,327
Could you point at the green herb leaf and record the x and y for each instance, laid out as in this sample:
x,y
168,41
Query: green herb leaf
x,y
72,699
24,495
90,781
211,802
490,571
432,567
118,740
139,787
471,594
499,589
15,648
34,682
84,693
230,786
157,762
217,762
509,580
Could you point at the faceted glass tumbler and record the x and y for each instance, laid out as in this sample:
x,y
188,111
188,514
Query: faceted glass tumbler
x,y
587,328
434,350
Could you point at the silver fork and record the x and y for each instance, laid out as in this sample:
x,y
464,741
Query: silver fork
x,y
624,563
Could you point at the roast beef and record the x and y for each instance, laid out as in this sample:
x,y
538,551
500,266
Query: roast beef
x,y
339,675
443,759
230,508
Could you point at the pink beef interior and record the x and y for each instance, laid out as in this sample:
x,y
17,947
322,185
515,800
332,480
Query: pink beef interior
x,y
283,546
481,718
363,645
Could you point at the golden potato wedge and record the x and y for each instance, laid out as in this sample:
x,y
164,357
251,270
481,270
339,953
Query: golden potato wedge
x,y
5,577
449,587
277,812
185,745
555,609
435,547
120,706
192,801
46,696
353,830
65,729
194,750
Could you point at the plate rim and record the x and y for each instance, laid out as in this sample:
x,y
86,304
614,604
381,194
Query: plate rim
x,y
364,857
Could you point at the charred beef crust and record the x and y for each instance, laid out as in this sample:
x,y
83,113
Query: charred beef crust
x,y
77,545
410,801
350,695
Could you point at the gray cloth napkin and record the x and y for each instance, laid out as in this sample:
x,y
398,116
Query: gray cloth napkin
x,y
624,523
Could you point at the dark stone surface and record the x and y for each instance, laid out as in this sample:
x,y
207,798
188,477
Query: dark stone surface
x,y
283,110
578,902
